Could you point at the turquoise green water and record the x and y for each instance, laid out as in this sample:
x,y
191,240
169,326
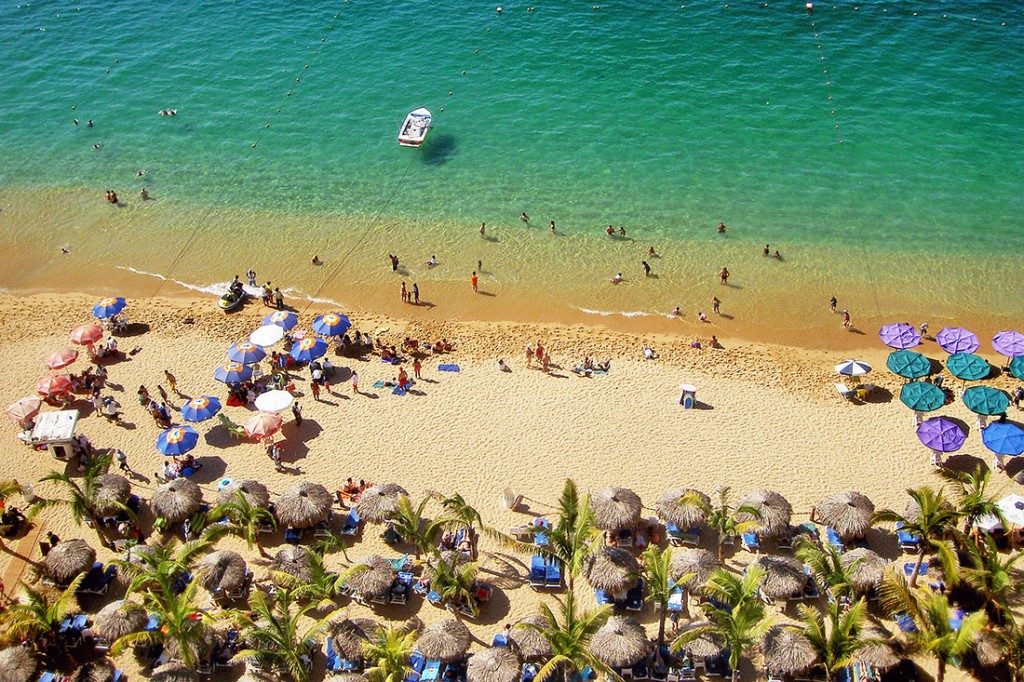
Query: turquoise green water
x,y
664,119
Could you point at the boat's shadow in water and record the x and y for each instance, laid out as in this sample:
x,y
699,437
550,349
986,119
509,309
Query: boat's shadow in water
x,y
439,149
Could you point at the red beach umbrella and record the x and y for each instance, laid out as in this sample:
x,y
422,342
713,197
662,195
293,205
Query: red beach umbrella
x,y
24,410
55,384
87,334
61,358
263,425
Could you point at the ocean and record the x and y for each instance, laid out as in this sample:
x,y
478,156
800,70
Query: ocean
x,y
876,145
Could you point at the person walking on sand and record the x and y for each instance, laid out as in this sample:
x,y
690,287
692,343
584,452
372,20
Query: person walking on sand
x,y
403,378
415,293
529,355
846,320
767,250
122,460
405,294
268,293
833,303
172,382
297,413
483,227
251,274
723,274
647,268
355,382
416,367
473,281
394,262
315,389
278,299
715,305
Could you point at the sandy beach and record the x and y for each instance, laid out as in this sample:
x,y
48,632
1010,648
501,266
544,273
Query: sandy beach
x,y
770,418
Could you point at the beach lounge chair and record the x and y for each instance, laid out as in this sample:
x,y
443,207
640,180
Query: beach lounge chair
x,y
540,536
431,671
675,600
553,574
522,533
352,522
538,571
677,537
434,597
834,539
499,640
98,580
292,536
908,568
811,590
232,428
751,543
635,596
909,542
846,392
641,671
603,598
323,529
400,588
529,672
624,673
624,537
421,587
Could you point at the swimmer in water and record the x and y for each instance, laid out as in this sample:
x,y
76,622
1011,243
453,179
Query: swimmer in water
x,y
677,311
525,218
622,231
552,226
721,229
651,253
144,194
97,145
75,121
616,279
609,231
432,262
140,173
316,260
88,123
65,250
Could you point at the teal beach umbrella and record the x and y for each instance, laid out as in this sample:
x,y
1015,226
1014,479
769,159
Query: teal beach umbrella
x,y
922,396
1017,367
986,400
968,366
908,364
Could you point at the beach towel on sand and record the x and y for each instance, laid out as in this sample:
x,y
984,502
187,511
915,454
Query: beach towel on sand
x,y
448,368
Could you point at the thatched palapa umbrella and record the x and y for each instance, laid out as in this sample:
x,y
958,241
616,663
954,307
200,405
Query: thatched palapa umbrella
x,y
784,577
530,643
988,650
294,561
173,672
497,664
849,513
865,568
373,578
304,505
17,665
176,500
351,634
774,509
787,650
708,644
672,509
119,618
615,508
347,677
701,562
253,491
94,671
621,641
612,569
111,490
445,641
378,503
68,559
221,571
880,653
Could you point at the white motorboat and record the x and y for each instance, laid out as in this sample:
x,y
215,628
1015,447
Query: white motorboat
x,y
414,128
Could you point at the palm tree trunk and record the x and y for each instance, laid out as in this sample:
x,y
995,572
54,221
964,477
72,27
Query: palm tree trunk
x,y
917,567
942,670
661,625
721,550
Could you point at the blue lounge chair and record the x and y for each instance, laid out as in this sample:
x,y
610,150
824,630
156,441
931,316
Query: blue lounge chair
x,y
529,672
834,539
909,542
553,574
602,597
640,671
538,571
434,597
675,600
751,543
417,662
635,596
333,660
152,622
431,671
905,623
351,522
47,676
677,537
292,536
541,537
908,568
499,640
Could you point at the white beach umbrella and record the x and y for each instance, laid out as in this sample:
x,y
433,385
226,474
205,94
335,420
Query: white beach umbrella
x,y
267,335
853,368
274,401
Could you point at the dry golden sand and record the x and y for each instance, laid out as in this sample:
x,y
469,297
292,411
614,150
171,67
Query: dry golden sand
x,y
771,420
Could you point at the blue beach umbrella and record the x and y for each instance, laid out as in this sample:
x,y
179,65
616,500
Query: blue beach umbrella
x,y
177,440
968,366
908,364
108,307
200,409
331,324
233,373
246,353
853,368
1003,438
941,434
308,349
899,335
1017,367
282,318
986,400
922,396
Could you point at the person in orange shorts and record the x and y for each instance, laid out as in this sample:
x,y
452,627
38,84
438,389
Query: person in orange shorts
x,y
473,280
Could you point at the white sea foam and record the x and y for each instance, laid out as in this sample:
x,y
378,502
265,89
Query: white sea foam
x,y
218,288
621,313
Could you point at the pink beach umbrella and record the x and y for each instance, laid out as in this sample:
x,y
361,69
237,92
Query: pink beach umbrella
x,y
24,411
61,358
87,334
263,425
54,384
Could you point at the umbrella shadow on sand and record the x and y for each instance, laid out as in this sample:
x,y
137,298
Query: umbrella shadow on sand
x,y
213,469
880,394
220,437
296,438
965,463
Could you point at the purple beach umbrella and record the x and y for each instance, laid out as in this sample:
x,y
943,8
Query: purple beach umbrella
x,y
1010,344
941,434
899,335
957,340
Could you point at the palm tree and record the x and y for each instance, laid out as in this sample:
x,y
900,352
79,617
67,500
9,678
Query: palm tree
x,y
973,500
569,634
834,633
245,520
161,568
936,525
825,562
8,488
461,515
82,495
40,613
411,523
931,614
1011,639
722,517
657,574
990,575
735,613
321,588
182,623
273,634
454,581
389,652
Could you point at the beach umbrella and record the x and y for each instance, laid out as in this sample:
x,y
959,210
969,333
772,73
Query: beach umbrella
x,y
23,411
496,664
775,511
108,307
119,618
374,580
620,642
94,671
111,494
445,640
177,440
941,434
176,500
899,335
853,368
986,400
908,364
17,665
864,568
293,560
880,654
173,672
86,335
53,385
379,502
529,642
1003,438
957,340
282,318
701,562
274,402
263,425
246,353
849,513
922,396
267,335
706,645
351,634
307,350
253,491
672,509
968,366
784,577
200,409
615,508
222,571
787,650
68,559
59,359
303,505
232,373
1010,344
988,649
611,569
331,324
1017,366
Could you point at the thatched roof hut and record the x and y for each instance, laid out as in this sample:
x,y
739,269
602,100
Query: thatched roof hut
x,y
111,490
701,562
787,650
294,561
222,571
176,500
615,508
351,634
865,568
849,513
496,664
530,643
784,577
253,491
621,641
94,671
707,644
69,558
445,640
304,505
173,672
17,665
774,510
374,579
612,569
672,509
376,504
119,618
881,654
